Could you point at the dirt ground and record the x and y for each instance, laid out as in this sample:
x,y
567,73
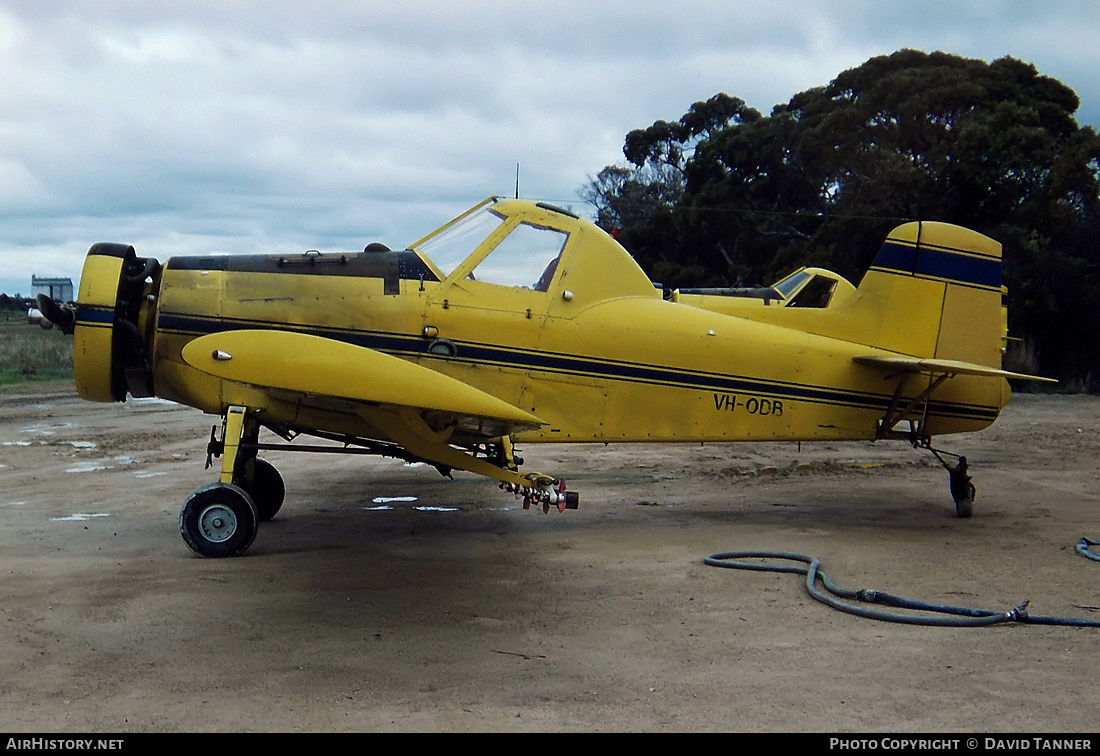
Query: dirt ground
x,y
459,611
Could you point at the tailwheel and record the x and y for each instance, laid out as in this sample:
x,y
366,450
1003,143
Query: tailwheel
x,y
964,507
265,487
218,520
962,488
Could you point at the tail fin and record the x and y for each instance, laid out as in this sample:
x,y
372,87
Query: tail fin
x,y
934,291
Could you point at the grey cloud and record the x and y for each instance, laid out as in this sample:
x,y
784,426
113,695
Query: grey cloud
x,y
249,126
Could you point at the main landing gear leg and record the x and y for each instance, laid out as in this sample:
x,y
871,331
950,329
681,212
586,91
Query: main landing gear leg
x,y
220,519
258,478
962,489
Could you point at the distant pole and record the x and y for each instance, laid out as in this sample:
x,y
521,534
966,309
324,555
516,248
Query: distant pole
x,y
517,180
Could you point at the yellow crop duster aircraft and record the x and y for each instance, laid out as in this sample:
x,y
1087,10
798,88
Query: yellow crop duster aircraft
x,y
521,322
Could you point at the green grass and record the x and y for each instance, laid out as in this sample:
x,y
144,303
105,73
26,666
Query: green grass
x,y
29,354
13,316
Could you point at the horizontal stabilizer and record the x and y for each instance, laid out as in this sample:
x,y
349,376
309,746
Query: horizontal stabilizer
x,y
940,367
313,365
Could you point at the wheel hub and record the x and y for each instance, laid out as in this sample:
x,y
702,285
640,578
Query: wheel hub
x,y
217,523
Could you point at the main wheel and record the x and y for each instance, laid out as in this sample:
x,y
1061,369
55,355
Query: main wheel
x,y
266,489
218,520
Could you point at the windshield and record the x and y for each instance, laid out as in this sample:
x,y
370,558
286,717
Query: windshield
x,y
790,284
527,258
454,244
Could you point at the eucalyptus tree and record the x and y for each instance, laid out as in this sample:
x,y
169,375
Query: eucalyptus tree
x,y
732,197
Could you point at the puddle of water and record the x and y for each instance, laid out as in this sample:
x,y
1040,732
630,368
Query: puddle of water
x,y
91,466
77,517
383,503
48,429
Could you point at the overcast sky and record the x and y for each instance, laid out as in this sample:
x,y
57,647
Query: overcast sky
x,y
280,126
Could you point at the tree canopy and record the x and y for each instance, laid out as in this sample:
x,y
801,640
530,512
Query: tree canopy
x,y
726,196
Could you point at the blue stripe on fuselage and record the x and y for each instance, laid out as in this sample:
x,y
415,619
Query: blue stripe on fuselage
x,y
574,365
87,314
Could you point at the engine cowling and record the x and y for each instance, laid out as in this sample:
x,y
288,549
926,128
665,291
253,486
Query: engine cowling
x,y
110,348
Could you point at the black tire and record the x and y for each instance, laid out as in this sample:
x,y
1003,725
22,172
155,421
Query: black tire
x,y
266,489
964,505
218,520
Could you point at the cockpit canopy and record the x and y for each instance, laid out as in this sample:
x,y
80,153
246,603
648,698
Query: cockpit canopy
x,y
523,254
531,246
806,288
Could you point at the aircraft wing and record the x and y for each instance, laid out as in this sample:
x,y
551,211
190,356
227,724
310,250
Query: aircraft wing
x,y
948,367
320,367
